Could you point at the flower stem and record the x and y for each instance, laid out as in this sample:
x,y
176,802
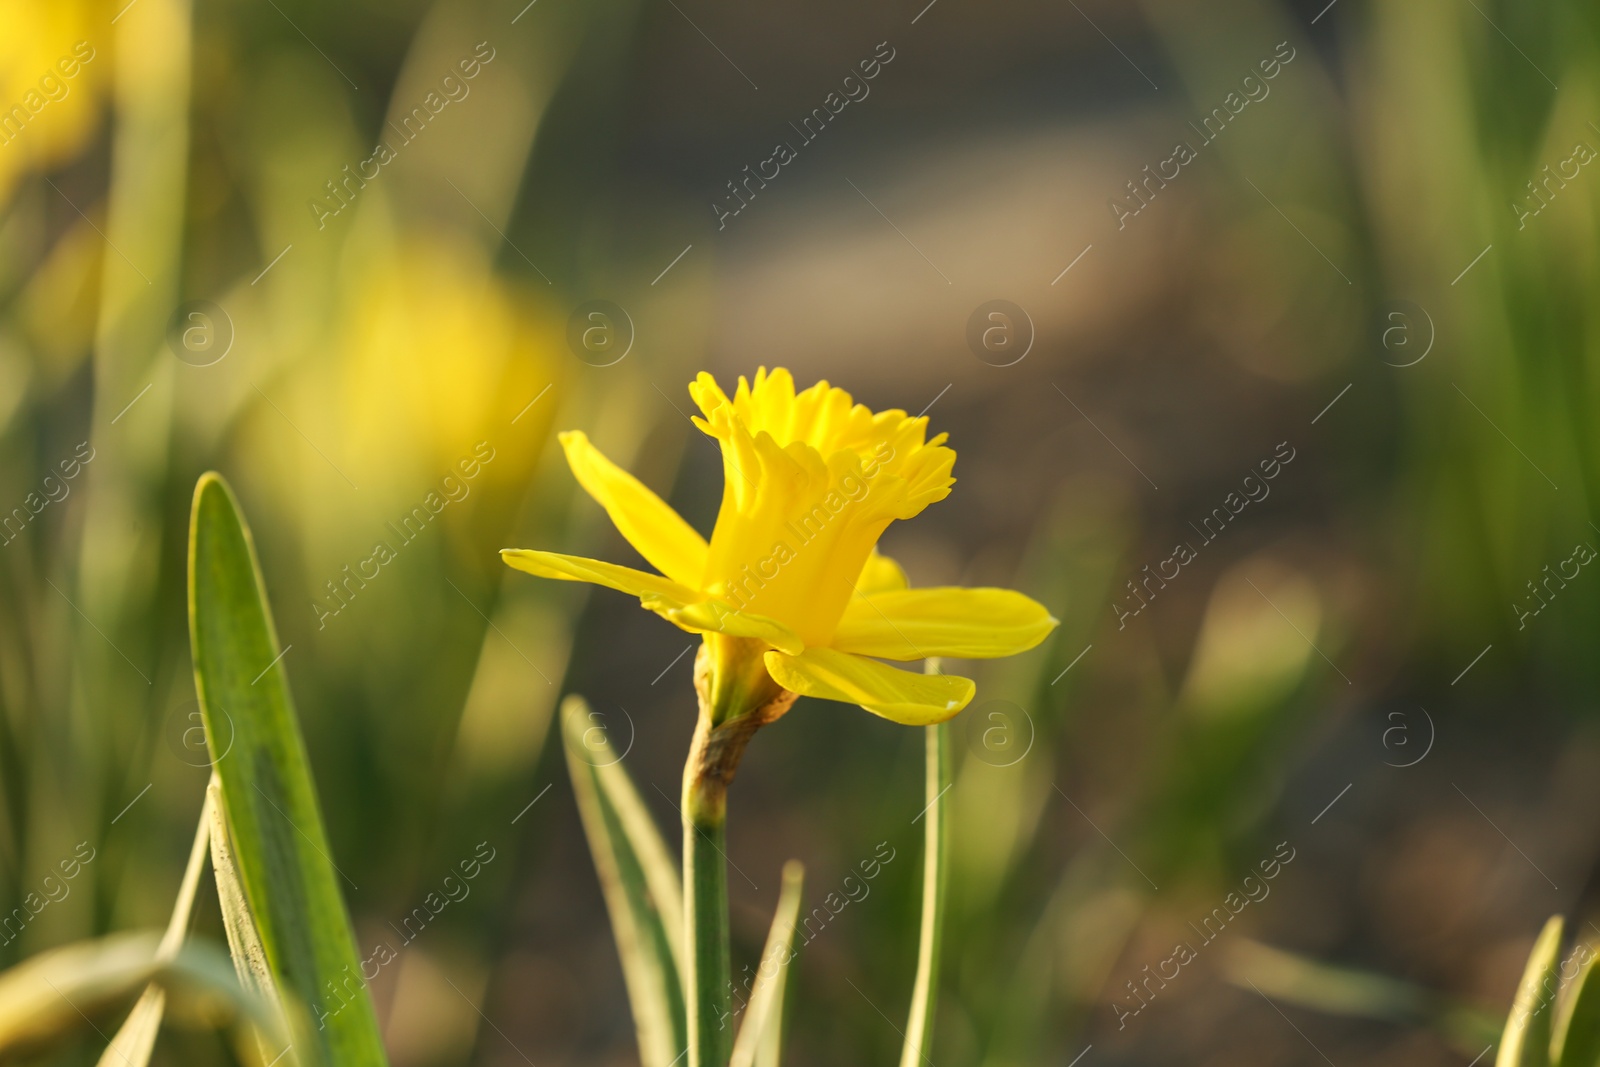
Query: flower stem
x,y
737,698
705,907
935,865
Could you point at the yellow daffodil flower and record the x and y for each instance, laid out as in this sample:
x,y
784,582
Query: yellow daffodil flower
x,y
54,70
791,582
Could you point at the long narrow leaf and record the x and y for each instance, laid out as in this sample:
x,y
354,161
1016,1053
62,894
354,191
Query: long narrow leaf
x,y
1290,978
761,1035
136,1040
1526,1041
935,865
290,882
1576,1040
244,939
639,881
1285,976
54,993
769,1053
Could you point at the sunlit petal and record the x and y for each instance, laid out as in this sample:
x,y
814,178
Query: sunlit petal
x,y
598,572
715,616
662,537
880,575
962,623
905,697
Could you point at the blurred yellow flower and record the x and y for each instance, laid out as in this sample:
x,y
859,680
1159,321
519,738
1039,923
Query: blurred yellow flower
x,y
791,580
434,341
52,68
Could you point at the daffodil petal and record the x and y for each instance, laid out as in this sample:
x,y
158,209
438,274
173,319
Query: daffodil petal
x,y
659,533
678,604
904,697
641,584
715,616
910,624
880,575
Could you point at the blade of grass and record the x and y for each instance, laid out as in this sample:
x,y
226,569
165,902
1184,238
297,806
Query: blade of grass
x,y
1576,1041
275,829
760,1036
244,938
639,882
56,992
1309,983
935,865
1336,990
136,1040
769,1053
1526,1040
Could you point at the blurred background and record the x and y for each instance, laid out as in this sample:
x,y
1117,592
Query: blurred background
x,y
1306,289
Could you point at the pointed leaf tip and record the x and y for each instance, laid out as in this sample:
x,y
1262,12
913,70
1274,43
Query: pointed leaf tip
x,y
283,858
1526,1039
760,1039
638,879
1576,1041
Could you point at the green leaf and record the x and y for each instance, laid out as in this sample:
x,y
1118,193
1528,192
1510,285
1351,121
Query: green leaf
x,y
1526,1039
761,1036
244,938
55,993
290,882
136,1040
769,1053
639,881
935,868
1295,979
1309,983
1576,1041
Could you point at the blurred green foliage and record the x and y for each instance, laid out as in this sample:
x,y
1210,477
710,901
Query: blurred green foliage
x,y
372,360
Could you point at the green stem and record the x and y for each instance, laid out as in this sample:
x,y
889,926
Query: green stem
x,y
737,698
935,863
705,913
